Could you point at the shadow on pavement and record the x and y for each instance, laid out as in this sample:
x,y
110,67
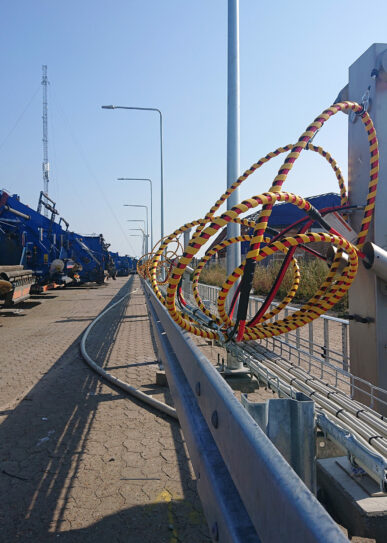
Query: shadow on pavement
x,y
184,524
43,446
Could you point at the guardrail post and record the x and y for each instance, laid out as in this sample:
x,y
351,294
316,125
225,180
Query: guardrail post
x,y
289,424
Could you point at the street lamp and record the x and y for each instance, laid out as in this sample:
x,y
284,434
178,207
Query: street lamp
x,y
137,220
151,193
161,153
147,222
138,236
143,236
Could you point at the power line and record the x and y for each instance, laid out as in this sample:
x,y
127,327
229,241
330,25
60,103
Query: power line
x,y
4,141
93,175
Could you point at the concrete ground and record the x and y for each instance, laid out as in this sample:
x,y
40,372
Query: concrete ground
x,y
79,460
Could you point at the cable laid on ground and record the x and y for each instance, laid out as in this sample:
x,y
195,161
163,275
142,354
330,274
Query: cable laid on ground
x,y
163,407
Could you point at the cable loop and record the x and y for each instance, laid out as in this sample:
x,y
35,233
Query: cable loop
x,y
164,266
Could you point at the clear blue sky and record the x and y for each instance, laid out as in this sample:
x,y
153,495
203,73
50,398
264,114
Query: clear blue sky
x,y
169,54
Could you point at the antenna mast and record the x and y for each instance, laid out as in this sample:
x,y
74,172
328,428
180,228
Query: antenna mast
x,y
45,164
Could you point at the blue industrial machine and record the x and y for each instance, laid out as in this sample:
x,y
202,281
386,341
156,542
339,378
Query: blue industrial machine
x,y
30,239
125,265
87,258
132,263
37,251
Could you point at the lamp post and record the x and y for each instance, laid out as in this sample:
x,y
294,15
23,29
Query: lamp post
x,y
143,235
139,236
137,220
233,128
161,153
151,193
147,222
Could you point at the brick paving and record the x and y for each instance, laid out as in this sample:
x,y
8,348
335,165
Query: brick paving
x,y
79,460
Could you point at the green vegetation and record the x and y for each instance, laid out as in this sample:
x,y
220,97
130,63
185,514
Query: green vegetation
x,y
313,274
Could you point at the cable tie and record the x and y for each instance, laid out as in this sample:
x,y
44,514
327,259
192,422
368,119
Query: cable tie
x,y
339,411
312,138
360,112
359,411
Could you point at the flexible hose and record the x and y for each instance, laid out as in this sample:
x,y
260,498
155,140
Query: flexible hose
x,y
160,406
335,284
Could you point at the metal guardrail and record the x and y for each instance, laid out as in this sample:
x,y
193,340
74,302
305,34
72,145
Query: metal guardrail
x,y
243,481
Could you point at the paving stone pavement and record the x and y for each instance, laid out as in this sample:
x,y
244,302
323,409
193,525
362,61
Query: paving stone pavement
x,y
79,460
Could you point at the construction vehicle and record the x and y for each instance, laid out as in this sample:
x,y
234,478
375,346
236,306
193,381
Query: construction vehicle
x,y
36,251
86,258
125,265
15,281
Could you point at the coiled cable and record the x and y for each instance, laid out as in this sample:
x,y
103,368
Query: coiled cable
x,y
337,281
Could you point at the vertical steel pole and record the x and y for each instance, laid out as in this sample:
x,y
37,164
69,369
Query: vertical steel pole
x,y
147,230
233,113
187,235
368,294
161,153
161,176
233,110
151,197
186,276
150,181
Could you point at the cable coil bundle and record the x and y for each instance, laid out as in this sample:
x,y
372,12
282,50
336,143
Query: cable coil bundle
x,y
221,326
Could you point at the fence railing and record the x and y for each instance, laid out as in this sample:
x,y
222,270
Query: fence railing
x,y
320,347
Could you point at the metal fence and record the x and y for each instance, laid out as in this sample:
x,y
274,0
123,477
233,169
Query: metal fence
x,y
320,347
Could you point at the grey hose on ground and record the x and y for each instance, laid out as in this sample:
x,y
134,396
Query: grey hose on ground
x,y
163,407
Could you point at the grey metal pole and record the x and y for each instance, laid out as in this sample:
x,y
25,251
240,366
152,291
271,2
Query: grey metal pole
x,y
161,154
233,111
147,221
233,146
138,236
151,193
186,276
147,231
143,239
161,175
137,220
